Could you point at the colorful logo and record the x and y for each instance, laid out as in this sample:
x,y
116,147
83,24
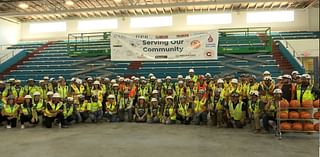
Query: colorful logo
x,y
210,39
195,44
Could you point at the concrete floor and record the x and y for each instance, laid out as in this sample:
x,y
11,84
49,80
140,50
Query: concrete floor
x,y
146,140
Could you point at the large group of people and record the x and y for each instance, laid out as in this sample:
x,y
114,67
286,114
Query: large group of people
x,y
193,99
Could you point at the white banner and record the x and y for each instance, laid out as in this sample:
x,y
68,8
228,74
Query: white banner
x,y
141,47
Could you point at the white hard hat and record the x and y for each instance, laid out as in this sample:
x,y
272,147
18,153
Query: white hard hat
x,y
49,93
287,76
180,77
220,81
277,91
36,93
256,93
41,81
266,73
11,79
28,97
155,92
154,100
150,75
106,79
121,79
142,78
180,82
111,96
115,85
168,77
295,72
46,78
113,81
208,74
169,97
153,78
18,81
267,78
96,83
90,79
191,70
142,97
70,98
56,95
279,78
73,79
159,80
234,81
188,77
79,81
306,76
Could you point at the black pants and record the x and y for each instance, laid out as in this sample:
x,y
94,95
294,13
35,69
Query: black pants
x,y
12,122
49,120
184,120
68,120
26,118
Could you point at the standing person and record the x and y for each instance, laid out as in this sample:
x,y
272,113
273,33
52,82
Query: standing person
x,y
306,90
54,111
266,88
95,109
28,112
10,112
185,111
236,111
111,111
154,114
30,88
141,110
200,108
192,75
169,113
63,90
255,110
126,107
97,90
1,108
215,104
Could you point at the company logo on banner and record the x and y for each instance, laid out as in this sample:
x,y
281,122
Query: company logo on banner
x,y
140,47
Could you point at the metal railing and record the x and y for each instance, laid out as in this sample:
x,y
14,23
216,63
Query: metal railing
x,y
291,49
6,54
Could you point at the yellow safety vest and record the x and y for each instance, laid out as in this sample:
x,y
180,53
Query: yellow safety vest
x,y
82,107
26,110
54,107
38,105
94,106
111,106
68,111
63,91
170,112
235,113
10,110
199,104
254,107
307,95
217,103
183,109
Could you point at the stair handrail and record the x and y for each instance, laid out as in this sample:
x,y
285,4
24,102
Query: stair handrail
x,y
291,48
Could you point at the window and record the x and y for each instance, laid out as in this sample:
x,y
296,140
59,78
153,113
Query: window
x,y
147,22
209,19
270,16
48,27
98,24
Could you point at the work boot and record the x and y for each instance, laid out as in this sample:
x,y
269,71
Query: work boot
x,y
22,126
8,126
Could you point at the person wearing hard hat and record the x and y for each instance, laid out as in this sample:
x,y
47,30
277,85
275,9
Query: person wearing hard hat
x,y
200,108
9,89
154,113
169,112
30,88
143,90
49,97
236,111
159,88
111,111
97,90
116,92
1,107
63,90
2,86
252,86
220,85
270,110
95,109
215,107
81,111
38,102
19,90
43,90
201,85
53,85
233,87
287,87
88,84
28,112
53,111
191,89
69,111
185,111
10,112
278,82
171,92
152,83
141,110
266,88
306,90
76,88
266,74
255,110
294,75
192,75
168,83
180,90
126,107
209,80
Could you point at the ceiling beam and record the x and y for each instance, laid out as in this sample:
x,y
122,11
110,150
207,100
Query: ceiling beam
x,y
147,6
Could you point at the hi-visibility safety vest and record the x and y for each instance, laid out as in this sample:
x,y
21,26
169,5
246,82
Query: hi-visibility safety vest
x,y
235,113
68,111
9,110
183,109
26,110
54,107
307,95
94,106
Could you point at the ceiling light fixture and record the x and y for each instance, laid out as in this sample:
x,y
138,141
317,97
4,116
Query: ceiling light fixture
x,y
23,5
68,2
118,1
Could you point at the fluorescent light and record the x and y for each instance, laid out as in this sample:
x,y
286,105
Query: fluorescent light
x,y
47,27
69,2
23,5
270,16
209,19
98,24
118,1
147,22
